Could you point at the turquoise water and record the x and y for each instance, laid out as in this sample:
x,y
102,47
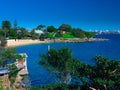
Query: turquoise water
x,y
84,51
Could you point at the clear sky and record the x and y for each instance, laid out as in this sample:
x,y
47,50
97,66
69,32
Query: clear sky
x,y
85,14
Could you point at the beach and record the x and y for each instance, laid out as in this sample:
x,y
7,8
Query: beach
x,y
13,43
21,42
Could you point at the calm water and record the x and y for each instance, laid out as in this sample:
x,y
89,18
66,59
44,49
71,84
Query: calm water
x,y
83,51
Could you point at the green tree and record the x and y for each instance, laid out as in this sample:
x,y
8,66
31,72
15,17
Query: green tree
x,y
79,33
6,25
43,36
65,27
58,61
51,29
61,86
6,54
58,34
22,33
1,33
13,34
40,27
13,73
34,35
15,25
3,41
103,75
106,74
89,34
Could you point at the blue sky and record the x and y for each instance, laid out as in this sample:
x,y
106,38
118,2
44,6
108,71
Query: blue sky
x,y
85,14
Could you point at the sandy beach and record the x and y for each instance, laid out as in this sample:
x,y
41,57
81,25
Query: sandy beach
x,y
13,43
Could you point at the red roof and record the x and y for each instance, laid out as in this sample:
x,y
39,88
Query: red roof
x,y
21,63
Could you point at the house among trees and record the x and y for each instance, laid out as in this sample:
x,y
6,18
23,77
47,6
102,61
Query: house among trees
x,y
63,32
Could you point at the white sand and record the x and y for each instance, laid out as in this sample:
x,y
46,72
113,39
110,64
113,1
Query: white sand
x,y
13,43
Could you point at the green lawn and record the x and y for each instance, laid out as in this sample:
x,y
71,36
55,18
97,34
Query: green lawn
x,y
67,35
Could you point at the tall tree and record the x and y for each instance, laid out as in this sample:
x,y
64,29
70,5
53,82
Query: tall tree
x,y
13,34
77,32
34,35
22,32
65,27
6,54
103,75
106,73
40,27
51,29
6,25
3,41
15,25
89,34
58,62
1,33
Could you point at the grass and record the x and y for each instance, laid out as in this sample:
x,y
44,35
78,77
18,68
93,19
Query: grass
x,y
67,35
51,35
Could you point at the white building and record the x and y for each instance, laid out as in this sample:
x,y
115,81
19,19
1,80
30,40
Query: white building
x,y
39,32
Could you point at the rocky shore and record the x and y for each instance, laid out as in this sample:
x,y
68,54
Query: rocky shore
x,y
80,40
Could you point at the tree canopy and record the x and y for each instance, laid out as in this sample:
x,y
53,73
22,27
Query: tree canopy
x,y
17,32
39,27
6,24
51,29
58,61
65,27
103,75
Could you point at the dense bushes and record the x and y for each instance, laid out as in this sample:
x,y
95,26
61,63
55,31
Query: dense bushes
x,y
61,86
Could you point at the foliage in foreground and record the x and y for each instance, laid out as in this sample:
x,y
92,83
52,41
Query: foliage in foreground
x,y
13,73
7,55
1,86
61,86
103,75
58,61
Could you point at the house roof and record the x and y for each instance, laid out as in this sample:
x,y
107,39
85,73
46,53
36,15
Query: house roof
x,y
39,31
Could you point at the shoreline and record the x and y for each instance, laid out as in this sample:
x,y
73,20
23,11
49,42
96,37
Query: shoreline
x,y
81,40
13,43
